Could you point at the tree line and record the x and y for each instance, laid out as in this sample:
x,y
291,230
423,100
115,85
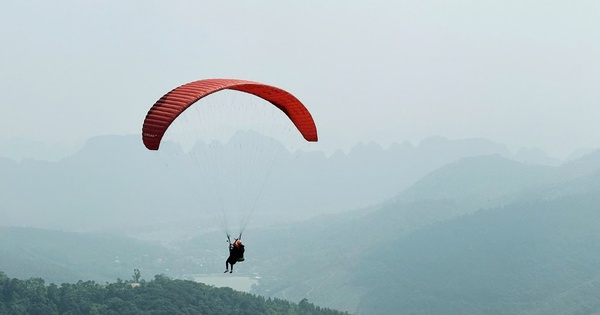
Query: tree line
x,y
161,295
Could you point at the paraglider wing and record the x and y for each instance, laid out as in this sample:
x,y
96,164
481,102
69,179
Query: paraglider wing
x,y
172,104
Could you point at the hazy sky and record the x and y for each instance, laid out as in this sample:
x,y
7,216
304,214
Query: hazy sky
x,y
521,72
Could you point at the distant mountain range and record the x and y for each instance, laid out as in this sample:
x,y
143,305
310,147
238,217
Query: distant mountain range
x,y
112,182
533,251
60,257
482,235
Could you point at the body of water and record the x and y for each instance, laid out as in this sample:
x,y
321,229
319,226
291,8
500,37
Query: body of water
x,y
238,283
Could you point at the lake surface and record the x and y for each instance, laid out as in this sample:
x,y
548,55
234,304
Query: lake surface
x,y
238,283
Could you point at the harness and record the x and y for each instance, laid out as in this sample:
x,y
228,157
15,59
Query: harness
x,y
237,252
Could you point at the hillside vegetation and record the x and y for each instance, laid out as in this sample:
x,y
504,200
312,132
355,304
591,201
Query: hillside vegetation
x,y
158,296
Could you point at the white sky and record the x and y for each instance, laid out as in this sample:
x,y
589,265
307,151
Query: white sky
x,y
521,72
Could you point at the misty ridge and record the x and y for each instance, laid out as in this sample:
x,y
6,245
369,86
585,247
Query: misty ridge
x,y
113,181
481,235
443,227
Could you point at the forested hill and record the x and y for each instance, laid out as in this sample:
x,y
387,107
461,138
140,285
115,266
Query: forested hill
x,y
158,296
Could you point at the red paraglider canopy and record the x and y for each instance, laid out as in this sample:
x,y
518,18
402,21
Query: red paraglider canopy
x,y
172,104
